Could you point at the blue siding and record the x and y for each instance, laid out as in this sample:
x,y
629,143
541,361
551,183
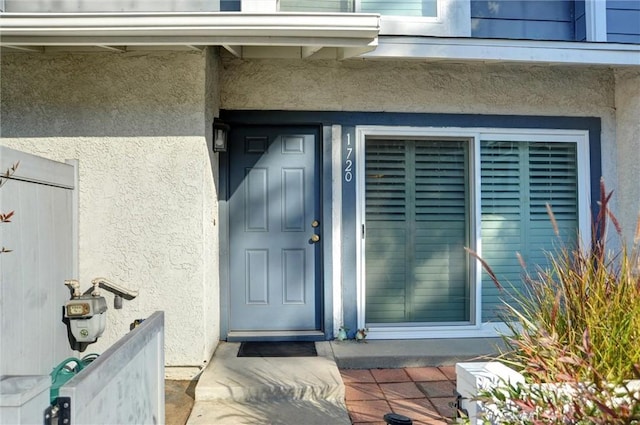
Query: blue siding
x,y
523,19
623,4
580,21
623,21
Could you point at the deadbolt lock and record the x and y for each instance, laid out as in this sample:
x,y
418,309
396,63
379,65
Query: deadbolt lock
x,y
315,223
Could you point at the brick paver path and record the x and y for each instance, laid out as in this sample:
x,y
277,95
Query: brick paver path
x,y
421,393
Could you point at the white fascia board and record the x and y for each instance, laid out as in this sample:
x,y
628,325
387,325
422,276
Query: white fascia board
x,y
17,42
157,28
490,50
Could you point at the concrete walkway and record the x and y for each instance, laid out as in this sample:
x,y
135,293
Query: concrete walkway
x,y
310,390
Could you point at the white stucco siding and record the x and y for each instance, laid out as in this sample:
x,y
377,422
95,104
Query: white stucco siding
x,y
136,123
628,135
411,86
102,95
211,295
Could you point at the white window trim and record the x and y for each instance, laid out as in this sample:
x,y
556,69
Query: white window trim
x,y
259,6
595,16
477,328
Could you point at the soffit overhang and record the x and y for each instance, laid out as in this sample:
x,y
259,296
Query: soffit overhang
x,y
352,34
287,35
506,51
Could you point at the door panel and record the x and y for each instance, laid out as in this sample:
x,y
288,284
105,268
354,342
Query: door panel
x,y
273,200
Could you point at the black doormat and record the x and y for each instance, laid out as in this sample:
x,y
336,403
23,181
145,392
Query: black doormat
x,y
277,349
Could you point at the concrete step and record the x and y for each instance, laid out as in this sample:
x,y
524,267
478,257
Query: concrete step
x,y
391,354
279,412
241,379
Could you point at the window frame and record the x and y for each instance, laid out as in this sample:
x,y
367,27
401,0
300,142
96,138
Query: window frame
x,y
476,328
453,19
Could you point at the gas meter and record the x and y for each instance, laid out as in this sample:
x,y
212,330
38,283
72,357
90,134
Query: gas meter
x,y
85,313
87,317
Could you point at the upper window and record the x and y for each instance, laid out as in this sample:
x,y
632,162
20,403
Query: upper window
x,y
328,6
426,8
446,18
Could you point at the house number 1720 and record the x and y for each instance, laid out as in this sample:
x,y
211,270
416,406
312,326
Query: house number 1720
x,y
348,163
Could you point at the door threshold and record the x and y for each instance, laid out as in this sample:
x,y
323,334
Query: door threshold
x,y
237,336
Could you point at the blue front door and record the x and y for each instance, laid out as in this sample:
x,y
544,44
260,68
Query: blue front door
x,y
275,230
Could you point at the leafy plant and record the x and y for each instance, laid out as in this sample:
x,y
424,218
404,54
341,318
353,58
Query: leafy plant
x,y
576,324
6,217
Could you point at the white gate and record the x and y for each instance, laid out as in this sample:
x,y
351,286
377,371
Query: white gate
x,y
41,239
125,385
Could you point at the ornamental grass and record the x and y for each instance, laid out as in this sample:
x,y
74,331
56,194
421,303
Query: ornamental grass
x,y
576,325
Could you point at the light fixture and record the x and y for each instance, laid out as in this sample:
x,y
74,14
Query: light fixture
x,y
220,134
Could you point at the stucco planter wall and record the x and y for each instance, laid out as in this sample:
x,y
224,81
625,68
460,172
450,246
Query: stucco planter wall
x,y
475,376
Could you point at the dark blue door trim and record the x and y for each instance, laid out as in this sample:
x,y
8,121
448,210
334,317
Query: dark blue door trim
x,y
348,120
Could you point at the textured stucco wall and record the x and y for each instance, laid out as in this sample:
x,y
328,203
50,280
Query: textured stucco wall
x,y
211,294
412,86
136,123
140,126
628,135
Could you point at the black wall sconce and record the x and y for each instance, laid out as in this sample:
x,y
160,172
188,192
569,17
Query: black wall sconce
x,y
220,135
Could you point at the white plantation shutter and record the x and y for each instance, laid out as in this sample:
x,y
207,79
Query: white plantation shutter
x,y
553,180
517,181
327,6
417,227
386,241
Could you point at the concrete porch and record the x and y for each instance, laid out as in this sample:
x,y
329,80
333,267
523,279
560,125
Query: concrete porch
x,y
311,390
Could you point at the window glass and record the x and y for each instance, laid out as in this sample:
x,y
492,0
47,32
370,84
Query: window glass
x,y
517,181
417,223
428,8
316,6
422,8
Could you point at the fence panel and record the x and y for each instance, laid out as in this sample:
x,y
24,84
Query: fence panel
x,y
125,385
42,243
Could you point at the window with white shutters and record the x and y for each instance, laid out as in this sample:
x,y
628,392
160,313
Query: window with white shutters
x,y
430,193
417,221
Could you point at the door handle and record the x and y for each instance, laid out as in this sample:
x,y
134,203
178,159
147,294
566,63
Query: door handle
x,y
315,238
